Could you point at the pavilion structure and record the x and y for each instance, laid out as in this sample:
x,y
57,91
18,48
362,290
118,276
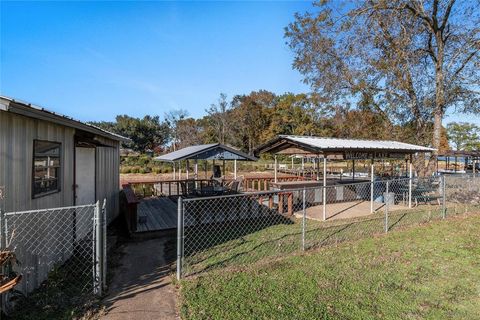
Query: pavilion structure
x,y
331,149
208,152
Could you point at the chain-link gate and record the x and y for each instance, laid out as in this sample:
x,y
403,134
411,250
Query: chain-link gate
x,y
236,230
58,249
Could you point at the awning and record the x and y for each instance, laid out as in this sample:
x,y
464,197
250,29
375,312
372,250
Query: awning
x,y
214,151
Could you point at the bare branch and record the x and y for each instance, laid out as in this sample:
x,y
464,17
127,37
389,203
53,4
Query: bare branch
x,y
447,14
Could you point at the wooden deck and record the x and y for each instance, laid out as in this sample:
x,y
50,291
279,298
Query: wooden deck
x,y
156,213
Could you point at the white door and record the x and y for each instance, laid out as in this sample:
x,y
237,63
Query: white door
x,y
84,175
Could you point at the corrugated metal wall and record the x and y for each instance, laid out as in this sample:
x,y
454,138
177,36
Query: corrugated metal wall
x,y
108,176
16,155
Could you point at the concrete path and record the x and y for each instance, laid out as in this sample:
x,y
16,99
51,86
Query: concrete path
x,y
141,287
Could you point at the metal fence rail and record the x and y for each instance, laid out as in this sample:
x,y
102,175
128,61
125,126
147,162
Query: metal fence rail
x,y
240,229
58,247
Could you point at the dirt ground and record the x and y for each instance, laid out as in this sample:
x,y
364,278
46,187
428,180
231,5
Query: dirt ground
x,y
141,287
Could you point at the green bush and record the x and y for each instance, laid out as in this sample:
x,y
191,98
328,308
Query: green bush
x,y
144,170
135,170
126,169
157,170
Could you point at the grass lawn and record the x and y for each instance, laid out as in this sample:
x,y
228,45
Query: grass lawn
x,y
430,271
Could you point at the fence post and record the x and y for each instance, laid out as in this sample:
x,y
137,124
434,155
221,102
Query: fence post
x,y
410,175
387,199
444,207
104,244
3,234
98,250
371,188
179,238
3,239
304,219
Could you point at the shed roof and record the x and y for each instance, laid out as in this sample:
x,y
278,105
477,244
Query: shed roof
x,y
213,151
286,144
32,111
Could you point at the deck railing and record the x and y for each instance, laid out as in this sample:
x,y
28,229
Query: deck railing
x,y
168,188
263,183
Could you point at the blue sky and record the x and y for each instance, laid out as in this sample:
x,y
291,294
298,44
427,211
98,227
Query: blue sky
x,y
94,60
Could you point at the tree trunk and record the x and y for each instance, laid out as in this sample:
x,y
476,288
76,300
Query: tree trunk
x,y
439,103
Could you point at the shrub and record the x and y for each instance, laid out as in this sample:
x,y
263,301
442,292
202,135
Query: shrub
x,y
143,170
135,170
157,170
125,169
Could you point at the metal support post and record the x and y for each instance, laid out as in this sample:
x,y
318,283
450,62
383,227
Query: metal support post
x,y
372,181
304,219
387,199
324,188
179,238
444,203
410,181
235,169
98,286
104,243
196,169
275,169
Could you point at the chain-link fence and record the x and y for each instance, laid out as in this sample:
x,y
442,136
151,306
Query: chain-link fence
x,y
237,230
59,250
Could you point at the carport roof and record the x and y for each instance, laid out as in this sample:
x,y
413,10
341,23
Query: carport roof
x,y
213,151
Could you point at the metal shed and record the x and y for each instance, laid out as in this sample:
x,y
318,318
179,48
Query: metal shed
x,y
51,160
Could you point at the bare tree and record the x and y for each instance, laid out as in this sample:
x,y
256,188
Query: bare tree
x,y
218,115
172,118
409,60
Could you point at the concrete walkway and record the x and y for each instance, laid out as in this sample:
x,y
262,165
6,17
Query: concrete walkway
x,y
141,287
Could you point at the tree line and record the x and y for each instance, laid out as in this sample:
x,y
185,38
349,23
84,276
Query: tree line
x,y
249,120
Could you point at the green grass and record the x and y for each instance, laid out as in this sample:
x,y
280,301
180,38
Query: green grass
x,y
427,272
248,242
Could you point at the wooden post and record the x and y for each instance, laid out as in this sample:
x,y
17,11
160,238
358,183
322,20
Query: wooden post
x,y
187,169
280,203
290,203
174,174
270,201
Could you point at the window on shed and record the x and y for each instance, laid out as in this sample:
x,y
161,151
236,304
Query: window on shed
x,y
46,167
